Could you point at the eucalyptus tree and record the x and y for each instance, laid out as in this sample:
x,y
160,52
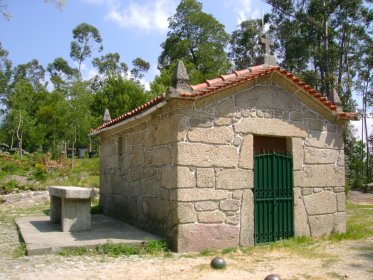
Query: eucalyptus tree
x,y
86,39
198,39
61,73
140,67
244,44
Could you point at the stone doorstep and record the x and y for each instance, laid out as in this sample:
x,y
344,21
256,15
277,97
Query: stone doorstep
x,y
43,237
71,192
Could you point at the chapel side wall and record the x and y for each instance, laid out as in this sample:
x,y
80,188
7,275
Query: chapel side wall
x,y
215,210
138,172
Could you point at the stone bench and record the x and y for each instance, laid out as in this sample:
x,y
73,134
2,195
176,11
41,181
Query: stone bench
x,y
71,206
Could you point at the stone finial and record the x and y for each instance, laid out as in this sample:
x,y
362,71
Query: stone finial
x,y
180,81
267,58
336,100
106,117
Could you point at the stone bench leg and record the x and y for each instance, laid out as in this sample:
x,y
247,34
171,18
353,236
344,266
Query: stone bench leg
x,y
55,213
76,215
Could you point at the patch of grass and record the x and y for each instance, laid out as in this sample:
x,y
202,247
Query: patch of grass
x,y
229,250
359,223
81,251
207,252
152,247
96,208
20,251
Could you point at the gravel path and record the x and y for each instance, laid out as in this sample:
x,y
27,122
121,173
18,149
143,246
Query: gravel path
x,y
343,260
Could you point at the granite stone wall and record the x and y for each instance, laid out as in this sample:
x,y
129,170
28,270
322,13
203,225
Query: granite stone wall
x,y
217,156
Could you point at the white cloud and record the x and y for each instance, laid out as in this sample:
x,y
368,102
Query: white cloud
x,y
244,9
145,15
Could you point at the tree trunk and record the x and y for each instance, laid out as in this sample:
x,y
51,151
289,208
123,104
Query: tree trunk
x,y
19,135
73,149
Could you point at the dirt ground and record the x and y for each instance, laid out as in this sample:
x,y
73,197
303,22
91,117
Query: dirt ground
x,y
330,260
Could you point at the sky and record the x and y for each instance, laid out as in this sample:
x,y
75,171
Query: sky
x,y
133,28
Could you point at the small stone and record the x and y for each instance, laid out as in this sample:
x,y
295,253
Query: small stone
x,y
218,263
272,277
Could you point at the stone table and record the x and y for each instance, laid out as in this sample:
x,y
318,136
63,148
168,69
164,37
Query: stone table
x,y
71,206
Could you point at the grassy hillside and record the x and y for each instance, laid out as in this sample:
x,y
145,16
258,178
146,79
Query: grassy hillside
x,y
37,171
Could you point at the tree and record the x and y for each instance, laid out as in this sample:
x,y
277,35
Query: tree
x,y
108,66
5,73
61,74
32,72
21,120
59,4
119,96
140,67
244,44
86,37
198,39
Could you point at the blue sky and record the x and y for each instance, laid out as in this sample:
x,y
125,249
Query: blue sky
x,y
132,28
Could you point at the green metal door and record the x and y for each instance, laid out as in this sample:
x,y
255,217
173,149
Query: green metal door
x,y
273,197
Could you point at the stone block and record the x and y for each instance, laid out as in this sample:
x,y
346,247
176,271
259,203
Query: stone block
x,y
205,177
269,97
341,201
237,194
327,175
138,156
234,179
230,205
169,177
70,192
309,114
75,215
211,217
296,116
167,131
191,195
199,122
203,155
232,220
223,121
320,203
298,178
315,124
331,127
321,225
324,139
206,206
297,152
214,135
272,127
316,155
339,189
186,177
225,108
246,159
247,219
306,191
186,213
341,158
197,237
158,157
301,227
340,222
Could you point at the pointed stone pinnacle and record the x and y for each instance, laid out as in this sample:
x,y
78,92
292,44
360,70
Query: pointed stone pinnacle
x,y
180,81
106,117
